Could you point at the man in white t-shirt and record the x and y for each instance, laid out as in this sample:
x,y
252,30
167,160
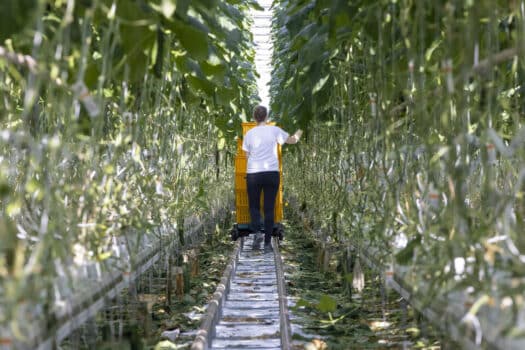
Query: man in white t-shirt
x,y
262,174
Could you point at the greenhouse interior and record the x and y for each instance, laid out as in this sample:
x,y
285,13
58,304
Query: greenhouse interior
x,y
148,148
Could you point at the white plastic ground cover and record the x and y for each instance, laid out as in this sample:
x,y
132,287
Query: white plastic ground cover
x,y
82,290
450,311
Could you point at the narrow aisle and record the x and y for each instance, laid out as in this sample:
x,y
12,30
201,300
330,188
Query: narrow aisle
x,y
250,316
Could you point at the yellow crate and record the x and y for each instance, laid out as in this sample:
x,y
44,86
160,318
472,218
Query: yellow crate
x,y
241,162
240,181
243,214
278,212
279,197
247,126
241,197
240,152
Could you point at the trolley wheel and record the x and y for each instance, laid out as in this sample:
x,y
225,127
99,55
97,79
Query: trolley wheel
x,y
278,232
234,233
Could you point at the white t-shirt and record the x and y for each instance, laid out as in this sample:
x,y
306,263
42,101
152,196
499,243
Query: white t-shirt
x,y
261,144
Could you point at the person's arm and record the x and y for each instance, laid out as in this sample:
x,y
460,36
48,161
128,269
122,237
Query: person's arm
x,y
294,138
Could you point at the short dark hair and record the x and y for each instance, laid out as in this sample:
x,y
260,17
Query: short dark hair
x,y
260,113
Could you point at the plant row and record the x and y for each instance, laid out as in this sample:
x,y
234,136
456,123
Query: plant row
x,y
113,119
414,142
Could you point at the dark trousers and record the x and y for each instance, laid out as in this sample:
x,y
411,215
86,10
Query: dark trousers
x,y
269,183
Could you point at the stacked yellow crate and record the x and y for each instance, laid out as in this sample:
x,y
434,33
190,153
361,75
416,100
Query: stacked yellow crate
x,y
241,194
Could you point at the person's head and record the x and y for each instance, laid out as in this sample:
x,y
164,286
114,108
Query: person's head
x,y
260,113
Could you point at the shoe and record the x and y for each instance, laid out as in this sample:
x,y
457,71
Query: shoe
x,y
259,236
257,240
268,247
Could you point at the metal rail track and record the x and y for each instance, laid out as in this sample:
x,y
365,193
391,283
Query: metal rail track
x,y
249,309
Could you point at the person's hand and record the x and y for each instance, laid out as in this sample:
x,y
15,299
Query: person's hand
x,y
295,137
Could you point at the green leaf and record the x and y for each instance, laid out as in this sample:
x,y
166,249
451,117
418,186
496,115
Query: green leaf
x,y
166,8
32,186
221,143
327,304
255,5
166,345
91,75
17,14
349,277
431,49
201,84
137,37
104,256
320,83
14,208
187,65
182,8
233,39
224,96
303,303
314,50
194,40
407,254
5,189
214,67
302,37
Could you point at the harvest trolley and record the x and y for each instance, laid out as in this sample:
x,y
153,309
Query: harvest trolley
x,y
242,226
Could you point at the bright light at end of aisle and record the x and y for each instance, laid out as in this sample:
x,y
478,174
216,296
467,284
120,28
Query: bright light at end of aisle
x,y
263,48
